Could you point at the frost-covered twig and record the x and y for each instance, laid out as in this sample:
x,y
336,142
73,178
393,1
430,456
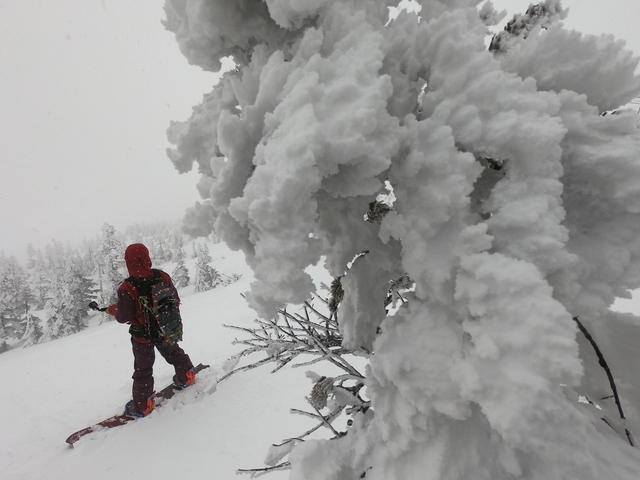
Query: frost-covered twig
x,y
245,368
324,420
256,472
315,334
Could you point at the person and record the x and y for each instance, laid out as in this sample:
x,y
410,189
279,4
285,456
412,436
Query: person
x,y
129,311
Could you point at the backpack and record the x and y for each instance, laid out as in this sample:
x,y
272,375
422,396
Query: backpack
x,y
160,307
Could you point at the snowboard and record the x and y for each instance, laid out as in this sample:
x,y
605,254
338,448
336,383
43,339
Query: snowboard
x,y
122,419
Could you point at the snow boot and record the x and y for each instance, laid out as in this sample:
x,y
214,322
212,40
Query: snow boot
x,y
191,377
131,410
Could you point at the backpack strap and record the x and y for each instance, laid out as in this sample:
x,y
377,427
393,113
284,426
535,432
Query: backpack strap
x,y
137,282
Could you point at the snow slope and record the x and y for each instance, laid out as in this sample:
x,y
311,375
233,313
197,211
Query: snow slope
x,y
207,432
53,389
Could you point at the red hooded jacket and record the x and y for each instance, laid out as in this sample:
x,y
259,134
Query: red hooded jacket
x,y
128,308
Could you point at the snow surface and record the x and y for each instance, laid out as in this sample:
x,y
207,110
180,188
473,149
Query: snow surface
x,y
54,389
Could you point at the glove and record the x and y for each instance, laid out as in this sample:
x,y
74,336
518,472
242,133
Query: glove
x,y
112,309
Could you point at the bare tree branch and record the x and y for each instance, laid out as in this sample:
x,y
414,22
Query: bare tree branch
x,y
314,334
605,366
256,472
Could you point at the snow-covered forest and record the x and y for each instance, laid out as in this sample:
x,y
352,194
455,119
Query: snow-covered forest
x,y
513,162
48,297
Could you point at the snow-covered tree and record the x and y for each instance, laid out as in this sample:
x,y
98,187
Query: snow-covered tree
x,y
206,277
14,298
110,264
158,249
517,208
40,280
68,307
34,332
32,256
90,257
180,274
176,244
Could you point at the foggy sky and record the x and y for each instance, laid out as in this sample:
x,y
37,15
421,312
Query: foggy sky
x,y
87,90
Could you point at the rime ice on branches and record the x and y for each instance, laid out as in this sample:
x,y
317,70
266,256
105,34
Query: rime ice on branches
x,y
331,101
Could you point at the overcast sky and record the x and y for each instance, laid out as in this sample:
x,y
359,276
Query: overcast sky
x,y
87,90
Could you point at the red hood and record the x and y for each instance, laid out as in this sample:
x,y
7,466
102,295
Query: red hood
x,y
138,261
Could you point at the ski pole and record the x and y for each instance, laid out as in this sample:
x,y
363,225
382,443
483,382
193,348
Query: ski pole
x,y
94,306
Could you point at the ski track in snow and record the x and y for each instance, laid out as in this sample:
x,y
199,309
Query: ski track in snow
x,y
54,389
